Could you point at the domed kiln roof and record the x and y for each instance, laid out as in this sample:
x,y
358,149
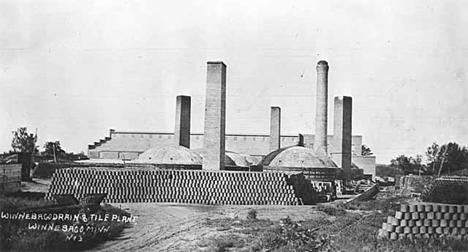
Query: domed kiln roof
x,y
296,156
232,158
170,155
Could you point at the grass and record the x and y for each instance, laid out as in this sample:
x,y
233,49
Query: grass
x,y
252,214
351,227
331,210
15,235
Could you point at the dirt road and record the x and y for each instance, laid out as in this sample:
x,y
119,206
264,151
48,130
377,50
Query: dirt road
x,y
169,227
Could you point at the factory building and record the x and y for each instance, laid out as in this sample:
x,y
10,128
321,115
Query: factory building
x,y
275,150
130,144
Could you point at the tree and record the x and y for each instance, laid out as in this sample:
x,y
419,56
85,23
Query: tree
x,y
431,153
408,164
24,141
447,158
53,149
365,150
78,156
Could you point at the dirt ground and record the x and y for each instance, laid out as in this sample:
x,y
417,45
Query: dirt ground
x,y
37,185
170,227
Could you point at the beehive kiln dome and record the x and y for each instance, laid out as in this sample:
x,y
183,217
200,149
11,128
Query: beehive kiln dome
x,y
236,159
296,156
232,158
170,155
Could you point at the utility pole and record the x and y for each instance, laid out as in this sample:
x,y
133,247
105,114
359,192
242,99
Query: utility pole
x,y
32,159
53,149
33,152
443,160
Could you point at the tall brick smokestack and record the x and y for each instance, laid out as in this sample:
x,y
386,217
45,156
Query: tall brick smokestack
x,y
215,117
342,131
275,128
182,122
320,141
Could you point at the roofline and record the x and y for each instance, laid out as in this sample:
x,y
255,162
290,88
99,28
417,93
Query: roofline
x,y
200,134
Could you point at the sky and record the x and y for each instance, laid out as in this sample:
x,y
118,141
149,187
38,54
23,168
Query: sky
x,y
75,69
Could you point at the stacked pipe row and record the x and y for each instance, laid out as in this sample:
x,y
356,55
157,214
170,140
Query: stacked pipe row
x,y
450,190
10,178
177,186
427,220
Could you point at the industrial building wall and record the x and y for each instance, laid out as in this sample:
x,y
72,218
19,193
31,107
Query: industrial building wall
x,y
367,163
129,145
356,143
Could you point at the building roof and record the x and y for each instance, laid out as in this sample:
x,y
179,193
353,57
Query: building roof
x,y
296,156
170,155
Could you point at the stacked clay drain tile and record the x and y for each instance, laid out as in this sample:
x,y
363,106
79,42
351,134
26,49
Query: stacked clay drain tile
x,y
449,190
177,186
427,220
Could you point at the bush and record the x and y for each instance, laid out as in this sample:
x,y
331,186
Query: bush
x,y
224,243
252,214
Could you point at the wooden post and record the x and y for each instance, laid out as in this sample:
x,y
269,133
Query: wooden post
x,y
443,160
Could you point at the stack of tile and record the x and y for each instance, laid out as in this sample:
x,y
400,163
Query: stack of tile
x,y
176,186
450,190
426,220
10,178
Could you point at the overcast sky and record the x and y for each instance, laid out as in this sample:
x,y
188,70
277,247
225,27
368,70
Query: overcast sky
x,y
75,69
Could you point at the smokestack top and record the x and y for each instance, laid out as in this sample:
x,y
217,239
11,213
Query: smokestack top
x,y
322,62
322,66
216,62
